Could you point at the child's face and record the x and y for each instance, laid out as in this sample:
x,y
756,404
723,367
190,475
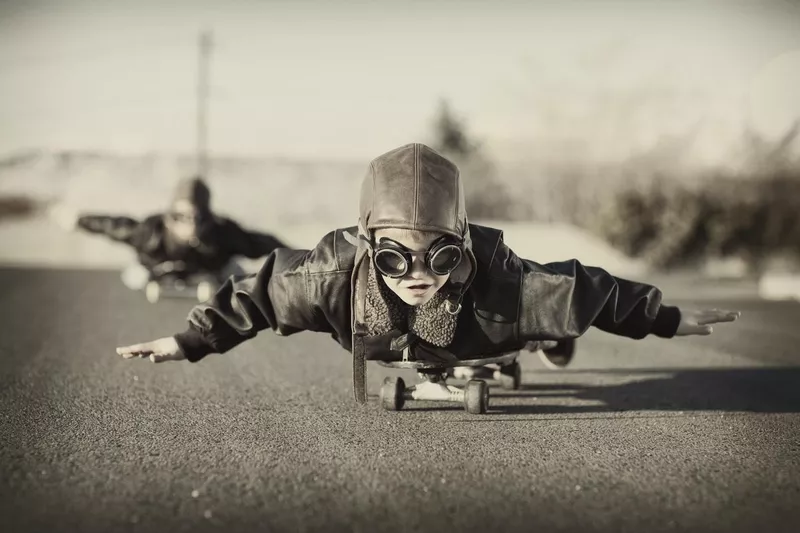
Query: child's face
x,y
419,284
184,220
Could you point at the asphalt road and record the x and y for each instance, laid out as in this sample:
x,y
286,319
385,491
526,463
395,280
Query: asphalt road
x,y
654,435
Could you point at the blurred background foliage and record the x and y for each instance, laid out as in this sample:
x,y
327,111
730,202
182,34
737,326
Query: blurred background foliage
x,y
670,220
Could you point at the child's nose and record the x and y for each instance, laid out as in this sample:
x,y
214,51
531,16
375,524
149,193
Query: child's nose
x,y
418,265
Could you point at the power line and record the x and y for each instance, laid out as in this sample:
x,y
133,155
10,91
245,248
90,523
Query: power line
x,y
205,45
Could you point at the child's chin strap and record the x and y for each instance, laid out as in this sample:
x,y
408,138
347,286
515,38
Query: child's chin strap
x,y
359,349
453,302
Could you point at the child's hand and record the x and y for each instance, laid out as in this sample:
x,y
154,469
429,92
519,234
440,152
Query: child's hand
x,y
64,217
165,349
699,322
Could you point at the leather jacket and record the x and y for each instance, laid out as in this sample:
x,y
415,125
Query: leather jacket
x,y
510,301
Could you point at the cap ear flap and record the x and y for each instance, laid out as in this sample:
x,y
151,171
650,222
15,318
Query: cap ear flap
x,y
464,273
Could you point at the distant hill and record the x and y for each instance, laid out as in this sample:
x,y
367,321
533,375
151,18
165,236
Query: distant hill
x,y
254,190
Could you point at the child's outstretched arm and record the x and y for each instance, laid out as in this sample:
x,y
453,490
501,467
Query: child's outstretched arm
x,y
276,298
121,229
563,299
251,244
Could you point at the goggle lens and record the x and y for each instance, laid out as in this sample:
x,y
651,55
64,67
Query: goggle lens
x,y
445,260
391,263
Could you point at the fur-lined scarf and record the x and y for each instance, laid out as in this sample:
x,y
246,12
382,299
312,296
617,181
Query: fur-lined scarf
x,y
385,311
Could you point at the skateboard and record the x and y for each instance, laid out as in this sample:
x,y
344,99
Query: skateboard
x,y
200,290
474,396
167,280
433,386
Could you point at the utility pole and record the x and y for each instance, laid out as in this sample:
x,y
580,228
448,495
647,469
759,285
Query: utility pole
x,y
205,44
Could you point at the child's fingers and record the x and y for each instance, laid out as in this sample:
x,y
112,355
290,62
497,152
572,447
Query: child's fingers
x,y
695,329
715,315
132,348
136,350
730,316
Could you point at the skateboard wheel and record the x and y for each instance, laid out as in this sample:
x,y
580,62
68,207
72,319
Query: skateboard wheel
x,y
152,292
560,356
476,397
511,376
392,394
204,291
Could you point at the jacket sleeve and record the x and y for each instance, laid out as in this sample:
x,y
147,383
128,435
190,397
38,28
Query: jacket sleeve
x,y
277,297
563,299
250,244
120,229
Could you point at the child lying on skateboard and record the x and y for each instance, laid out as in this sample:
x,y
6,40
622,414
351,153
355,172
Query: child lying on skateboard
x,y
188,239
415,274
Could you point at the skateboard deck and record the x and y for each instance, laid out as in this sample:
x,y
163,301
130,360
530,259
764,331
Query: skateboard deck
x,y
200,288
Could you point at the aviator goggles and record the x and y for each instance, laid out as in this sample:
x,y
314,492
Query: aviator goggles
x,y
187,217
393,260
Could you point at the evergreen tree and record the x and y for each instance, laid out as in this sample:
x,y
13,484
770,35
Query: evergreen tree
x,y
486,196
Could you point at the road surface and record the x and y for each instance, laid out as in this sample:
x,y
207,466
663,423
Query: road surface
x,y
654,435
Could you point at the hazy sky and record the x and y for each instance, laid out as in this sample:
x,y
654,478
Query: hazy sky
x,y
353,79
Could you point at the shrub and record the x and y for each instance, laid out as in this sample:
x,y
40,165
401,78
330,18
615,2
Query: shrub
x,y
671,226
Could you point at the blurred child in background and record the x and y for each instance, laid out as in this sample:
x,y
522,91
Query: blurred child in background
x,y
188,239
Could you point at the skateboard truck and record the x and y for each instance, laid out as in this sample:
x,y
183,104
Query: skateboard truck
x,y
509,376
